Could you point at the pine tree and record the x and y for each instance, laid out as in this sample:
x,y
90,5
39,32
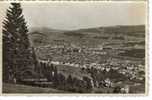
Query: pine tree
x,y
35,60
55,76
69,83
16,45
62,81
69,80
87,82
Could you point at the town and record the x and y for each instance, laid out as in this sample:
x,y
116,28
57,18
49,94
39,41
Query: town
x,y
103,59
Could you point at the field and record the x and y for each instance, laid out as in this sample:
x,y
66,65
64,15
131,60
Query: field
x,y
14,88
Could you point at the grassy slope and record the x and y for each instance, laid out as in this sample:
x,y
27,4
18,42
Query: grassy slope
x,y
13,88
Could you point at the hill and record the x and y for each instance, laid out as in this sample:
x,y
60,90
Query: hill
x,y
88,37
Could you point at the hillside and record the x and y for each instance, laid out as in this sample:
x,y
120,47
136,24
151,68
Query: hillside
x,y
88,37
13,88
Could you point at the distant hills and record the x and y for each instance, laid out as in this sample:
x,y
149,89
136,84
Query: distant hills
x,y
89,37
128,30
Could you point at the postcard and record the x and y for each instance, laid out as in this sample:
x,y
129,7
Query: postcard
x,y
93,48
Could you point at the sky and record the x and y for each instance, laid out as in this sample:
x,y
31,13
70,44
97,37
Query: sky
x,y
69,16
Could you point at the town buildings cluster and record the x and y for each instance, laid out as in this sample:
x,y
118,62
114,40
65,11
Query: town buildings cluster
x,y
101,59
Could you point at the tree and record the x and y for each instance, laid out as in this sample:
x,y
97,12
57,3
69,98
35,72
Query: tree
x,y
16,45
55,76
117,89
62,81
87,82
69,82
35,61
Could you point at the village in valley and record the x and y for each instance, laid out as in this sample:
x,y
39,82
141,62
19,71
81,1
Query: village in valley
x,y
104,59
112,66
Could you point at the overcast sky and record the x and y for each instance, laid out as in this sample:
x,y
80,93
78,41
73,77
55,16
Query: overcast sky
x,y
82,15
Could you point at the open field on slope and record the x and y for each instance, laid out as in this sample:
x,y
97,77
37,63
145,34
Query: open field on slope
x,y
14,88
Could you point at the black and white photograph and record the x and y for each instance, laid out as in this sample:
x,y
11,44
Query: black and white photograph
x,y
74,47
